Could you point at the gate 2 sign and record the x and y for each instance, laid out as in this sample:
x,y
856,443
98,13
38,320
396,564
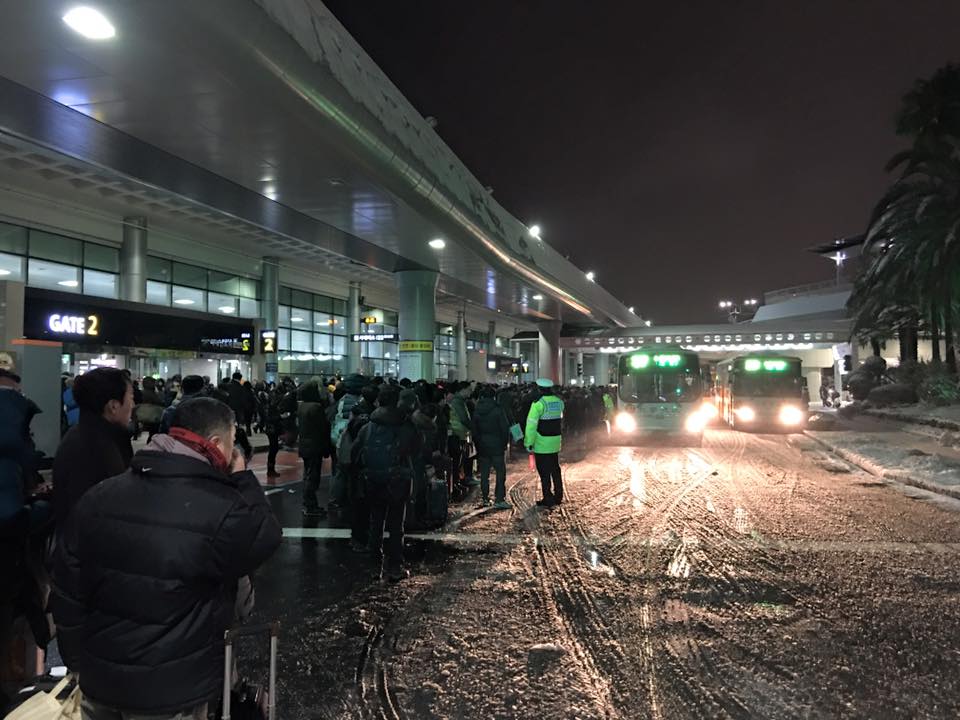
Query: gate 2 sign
x,y
73,324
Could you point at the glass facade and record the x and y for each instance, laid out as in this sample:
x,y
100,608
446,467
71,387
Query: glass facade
x,y
191,287
381,357
311,337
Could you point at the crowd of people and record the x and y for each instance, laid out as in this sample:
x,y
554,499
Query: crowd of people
x,y
199,520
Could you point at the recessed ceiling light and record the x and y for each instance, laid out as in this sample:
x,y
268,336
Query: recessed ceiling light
x,y
296,319
68,283
538,297
226,308
4,272
183,301
90,23
437,244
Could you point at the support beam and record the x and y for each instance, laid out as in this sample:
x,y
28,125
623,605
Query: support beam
x,y
462,346
418,324
270,309
133,260
550,365
353,326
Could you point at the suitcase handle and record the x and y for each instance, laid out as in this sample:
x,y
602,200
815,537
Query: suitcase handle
x,y
229,636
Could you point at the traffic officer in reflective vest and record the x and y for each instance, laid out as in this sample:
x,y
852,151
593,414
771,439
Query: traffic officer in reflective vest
x,y
542,438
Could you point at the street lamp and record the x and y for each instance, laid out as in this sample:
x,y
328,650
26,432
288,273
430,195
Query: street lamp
x,y
733,308
534,231
630,310
591,276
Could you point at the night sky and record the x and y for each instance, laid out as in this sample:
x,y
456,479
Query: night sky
x,y
687,152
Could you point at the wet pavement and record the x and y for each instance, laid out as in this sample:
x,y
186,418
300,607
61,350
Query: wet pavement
x,y
755,577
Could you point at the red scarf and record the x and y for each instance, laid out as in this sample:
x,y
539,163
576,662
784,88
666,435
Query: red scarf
x,y
203,446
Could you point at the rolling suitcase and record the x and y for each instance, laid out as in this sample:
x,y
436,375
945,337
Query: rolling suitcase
x,y
245,701
437,500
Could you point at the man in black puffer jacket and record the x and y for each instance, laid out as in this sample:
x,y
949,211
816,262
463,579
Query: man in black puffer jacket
x,y
491,433
146,573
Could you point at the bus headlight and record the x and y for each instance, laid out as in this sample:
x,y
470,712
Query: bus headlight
x,y
625,422
745,413
791,415
695,422
709,411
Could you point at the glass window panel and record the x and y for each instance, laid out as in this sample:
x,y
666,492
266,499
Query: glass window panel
x,y
11,267
224,283
159,269
13,239
339,345
99,284
249,288
189,298
339,325
322,321
285,295
101,257
301,341
283,316
54,276
283,339
301,319
55,247
249,308
322,343
190,275
301,299
373,349
222,304
339,307
323,303
158,293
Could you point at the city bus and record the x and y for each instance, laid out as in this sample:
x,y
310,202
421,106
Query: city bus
x,y
660,391
761,391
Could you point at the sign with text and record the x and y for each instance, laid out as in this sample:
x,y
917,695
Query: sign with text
x,y
370,320
66,324
373,337
268,341
416,346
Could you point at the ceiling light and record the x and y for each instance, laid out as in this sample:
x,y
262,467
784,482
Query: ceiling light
x,y
534,231
90,23
630,309
68,283
4,272
538,297
271,192
183,301
591,276
648,323
226,308
296,319
437,244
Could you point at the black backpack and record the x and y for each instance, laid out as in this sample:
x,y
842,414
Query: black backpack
x,y
381,459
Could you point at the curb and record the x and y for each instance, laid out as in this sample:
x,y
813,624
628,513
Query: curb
x,y
879,471
940,423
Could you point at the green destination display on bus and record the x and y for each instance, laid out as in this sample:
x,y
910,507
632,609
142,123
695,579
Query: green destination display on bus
x,y
660,360
765,365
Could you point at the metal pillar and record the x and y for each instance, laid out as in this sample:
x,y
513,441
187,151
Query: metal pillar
x,y
580,367
133,260
492,338
353,325
270,310
549,357
461,346
418,323
603,368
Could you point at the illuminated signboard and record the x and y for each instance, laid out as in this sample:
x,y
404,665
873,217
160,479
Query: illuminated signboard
x,y
373,337
370,320
642,362
62,324
268,341
770,365
240,344
416,346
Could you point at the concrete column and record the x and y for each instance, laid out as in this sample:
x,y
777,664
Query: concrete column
x,y
418,322
549,357
133,260
603,368
353,325
492,338
579,367
270,308
461,346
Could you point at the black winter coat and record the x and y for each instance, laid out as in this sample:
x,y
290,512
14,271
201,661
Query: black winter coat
x,y
491,429
91,451
146,575
314,425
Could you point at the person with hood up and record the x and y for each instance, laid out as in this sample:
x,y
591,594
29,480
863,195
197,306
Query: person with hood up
x,y
491,434
314,444
190,387
384,452
148,568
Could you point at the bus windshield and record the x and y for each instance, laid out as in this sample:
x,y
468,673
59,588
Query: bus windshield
x,y
767,385
660,387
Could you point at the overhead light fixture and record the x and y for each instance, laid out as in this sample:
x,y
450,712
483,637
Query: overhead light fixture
x,y
68,283
90,23
226,308
648,323
591,276
534,231
4,272
630,309
183,301
296,319
271,192
437,243
538,297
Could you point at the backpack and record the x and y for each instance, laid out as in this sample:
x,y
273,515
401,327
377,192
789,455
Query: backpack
x,y
342,418
348,438
381,459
